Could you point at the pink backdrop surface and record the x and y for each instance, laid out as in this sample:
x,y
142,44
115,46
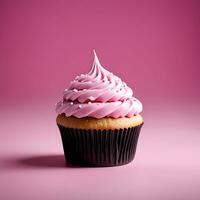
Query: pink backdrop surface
x,y
152,45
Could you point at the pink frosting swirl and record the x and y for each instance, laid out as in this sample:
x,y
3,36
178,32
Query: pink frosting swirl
x,y
98,94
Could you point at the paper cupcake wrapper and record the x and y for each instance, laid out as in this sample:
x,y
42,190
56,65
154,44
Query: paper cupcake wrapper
x,y
99,147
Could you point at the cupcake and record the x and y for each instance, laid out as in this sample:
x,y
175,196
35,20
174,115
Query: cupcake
x,y
99,119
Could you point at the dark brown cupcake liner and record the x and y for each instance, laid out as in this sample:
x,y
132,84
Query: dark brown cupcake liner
x,y
99,148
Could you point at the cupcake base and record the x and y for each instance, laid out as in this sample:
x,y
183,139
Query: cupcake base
x,y
99,148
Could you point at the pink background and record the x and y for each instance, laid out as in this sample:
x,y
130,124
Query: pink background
x,y
153,45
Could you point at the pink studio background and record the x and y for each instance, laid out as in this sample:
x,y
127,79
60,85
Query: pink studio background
x,y
153,45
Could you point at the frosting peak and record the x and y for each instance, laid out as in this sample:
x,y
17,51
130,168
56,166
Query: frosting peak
x,y
96,60
98,70
98,94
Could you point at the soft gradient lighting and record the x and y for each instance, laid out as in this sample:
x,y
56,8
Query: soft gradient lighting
x,y
152,45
